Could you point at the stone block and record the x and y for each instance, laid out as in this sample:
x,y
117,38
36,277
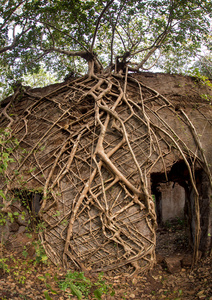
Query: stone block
x,y
173,264
187,260
14,227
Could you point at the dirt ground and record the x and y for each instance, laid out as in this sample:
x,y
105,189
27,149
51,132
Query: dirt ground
x,y
172,278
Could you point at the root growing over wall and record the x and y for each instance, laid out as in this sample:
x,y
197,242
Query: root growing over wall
x,y
90,146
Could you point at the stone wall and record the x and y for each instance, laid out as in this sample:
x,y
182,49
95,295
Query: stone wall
x,y
173,201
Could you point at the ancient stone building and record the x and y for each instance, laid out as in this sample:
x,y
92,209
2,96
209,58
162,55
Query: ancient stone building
x,y
102,160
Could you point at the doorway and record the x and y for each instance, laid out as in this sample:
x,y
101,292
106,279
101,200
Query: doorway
x,y
174,202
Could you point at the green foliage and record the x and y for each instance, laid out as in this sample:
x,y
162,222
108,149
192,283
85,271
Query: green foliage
x,y
40,79
102,287
25,252
5,87
45,279
202,78
25,197
204,65
76,282
37,37
3,265
46,294
40,226
8,216
40,254
17,269
7,147
81,286
154,198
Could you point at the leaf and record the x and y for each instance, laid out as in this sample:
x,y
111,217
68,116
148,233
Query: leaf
x,y
98,294
44,258
2,194
46,294
52,291
63,285
75,291
180,292
41,278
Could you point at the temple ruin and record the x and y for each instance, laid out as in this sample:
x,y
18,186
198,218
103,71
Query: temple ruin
x,y
103,160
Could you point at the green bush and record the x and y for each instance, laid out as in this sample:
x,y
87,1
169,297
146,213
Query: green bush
x,y
82,286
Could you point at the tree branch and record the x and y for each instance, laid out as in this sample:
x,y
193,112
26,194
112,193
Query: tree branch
x,y
14,42
154,63
65,33
113,33
97,24
125,49
52,37
9,16
158,42
82,54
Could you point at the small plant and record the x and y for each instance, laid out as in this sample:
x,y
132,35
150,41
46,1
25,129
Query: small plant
x,y
12,216
24,252
40,253
78,283
102,287
46,294
40,227
154,198
48,286
81,286
19,277
6,148
7,145
4,266
3,218
202,78
17,270
9,216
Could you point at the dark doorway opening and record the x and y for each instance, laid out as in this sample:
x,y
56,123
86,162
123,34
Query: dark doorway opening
x,y
170,192
175,210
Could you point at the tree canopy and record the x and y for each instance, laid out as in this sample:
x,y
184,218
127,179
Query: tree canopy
x,y
98,36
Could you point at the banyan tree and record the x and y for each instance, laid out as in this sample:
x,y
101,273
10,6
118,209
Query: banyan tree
x,y
89,151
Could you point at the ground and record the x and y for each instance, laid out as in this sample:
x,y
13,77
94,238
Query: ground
x,y
25,273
